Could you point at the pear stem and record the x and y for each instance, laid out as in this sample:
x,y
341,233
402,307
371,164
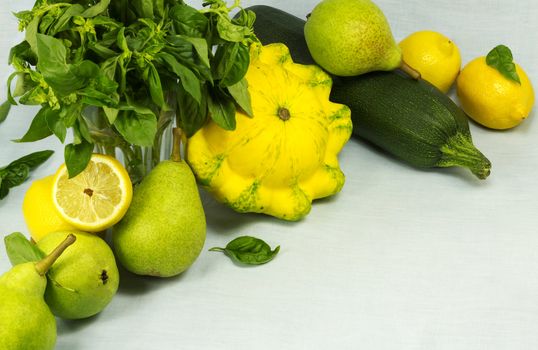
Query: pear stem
x,y
44,265
176,145
413,73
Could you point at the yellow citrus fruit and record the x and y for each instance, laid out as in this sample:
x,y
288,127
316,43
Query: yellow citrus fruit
x,y
490,98
434,55
95,199
39,212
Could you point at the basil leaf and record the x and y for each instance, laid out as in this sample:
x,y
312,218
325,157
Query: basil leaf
x,y
221,109
96,9
77,157
188,21
192,114
233,61
23,52
15,174
239,92
501,59
248,250
4,110
232,32
4,190
137,128
39,128
155,86
187,78
20,250
33,160
56,125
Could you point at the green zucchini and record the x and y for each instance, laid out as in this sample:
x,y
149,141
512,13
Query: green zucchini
x,y
408,118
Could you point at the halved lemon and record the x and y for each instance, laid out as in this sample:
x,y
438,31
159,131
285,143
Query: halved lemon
x,y
95,199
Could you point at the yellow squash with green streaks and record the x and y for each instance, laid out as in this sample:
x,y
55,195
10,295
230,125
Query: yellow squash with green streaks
x,y
283,157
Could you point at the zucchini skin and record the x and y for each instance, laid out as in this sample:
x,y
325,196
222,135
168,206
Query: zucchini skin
x,y
411,119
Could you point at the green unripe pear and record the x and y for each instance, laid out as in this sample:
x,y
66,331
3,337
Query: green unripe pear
x,y
164,230
351,37
84,279
26,321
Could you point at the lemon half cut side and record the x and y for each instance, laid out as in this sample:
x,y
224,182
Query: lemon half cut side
x,y
95,199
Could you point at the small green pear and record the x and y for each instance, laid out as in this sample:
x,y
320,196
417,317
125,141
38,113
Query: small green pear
x,y
352,37
26,321
164,229
84,279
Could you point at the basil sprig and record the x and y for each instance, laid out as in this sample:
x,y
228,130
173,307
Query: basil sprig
x,y
16,172
133,61
248,250
501,59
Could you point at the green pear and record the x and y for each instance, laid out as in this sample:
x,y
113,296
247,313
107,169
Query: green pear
x,y
351,37
26,321
164,229
84,279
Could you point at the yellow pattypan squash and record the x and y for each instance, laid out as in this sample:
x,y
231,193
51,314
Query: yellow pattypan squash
x,y
284,156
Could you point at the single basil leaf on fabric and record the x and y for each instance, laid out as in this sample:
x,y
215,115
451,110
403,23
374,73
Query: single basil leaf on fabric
x,y
39,128
248,250
15,174
501,59
187,78
4,189
138,129
4,110
239,92
96,9
33,160
56,124
77,157
221,109
20,250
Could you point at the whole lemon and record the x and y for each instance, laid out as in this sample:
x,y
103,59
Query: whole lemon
x,y
490,98
39,212
434,55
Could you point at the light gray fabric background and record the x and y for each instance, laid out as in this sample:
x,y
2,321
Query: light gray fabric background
x,y
401,259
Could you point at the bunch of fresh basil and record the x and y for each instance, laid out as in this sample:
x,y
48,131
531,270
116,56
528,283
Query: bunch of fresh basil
x,y
135,63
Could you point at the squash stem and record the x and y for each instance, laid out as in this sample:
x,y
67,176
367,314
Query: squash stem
x,y
176,145
460,151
